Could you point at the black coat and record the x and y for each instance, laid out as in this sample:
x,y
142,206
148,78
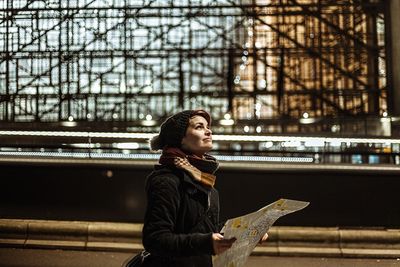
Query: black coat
x,y
180,218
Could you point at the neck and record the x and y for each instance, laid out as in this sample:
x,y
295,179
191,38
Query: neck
x,y
195,154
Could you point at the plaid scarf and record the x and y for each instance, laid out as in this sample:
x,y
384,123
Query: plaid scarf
x,y
201,169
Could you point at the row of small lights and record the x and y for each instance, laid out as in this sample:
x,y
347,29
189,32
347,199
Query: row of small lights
x,y
147,117
239,138
153,156
227,158
147,120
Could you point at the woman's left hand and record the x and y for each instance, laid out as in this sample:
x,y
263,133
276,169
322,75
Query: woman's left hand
x,y
263,239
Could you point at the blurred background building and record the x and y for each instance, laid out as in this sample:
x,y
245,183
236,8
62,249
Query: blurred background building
x,y
307,79
291,78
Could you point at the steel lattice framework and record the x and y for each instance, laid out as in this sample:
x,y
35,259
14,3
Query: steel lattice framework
x,y
109,60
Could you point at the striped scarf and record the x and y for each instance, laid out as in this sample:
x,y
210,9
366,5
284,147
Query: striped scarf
x,y
200,169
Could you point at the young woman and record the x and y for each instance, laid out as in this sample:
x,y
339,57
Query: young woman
x,y
181,225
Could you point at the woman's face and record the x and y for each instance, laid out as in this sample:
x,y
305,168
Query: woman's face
x,y
198,138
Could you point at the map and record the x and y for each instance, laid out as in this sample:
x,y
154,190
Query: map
x,y
250,228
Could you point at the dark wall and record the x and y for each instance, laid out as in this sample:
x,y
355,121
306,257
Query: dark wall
x,y
86,191
336,198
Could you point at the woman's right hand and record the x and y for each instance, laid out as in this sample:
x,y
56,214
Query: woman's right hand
x,y
220,244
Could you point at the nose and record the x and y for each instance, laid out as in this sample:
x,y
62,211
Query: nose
x,y
208,131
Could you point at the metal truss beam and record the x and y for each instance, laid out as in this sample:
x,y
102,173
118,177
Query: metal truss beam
x,y
120,60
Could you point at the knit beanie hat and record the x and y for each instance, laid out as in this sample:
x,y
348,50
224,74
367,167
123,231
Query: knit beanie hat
x,y
173,129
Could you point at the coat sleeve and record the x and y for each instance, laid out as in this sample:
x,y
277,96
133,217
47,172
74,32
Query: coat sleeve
x,y
159,238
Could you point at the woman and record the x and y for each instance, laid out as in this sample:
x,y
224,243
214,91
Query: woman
x,y
181,226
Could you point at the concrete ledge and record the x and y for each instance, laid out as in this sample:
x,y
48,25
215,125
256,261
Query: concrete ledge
x,y
284,241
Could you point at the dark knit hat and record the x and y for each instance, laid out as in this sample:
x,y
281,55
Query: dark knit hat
x,y
174,128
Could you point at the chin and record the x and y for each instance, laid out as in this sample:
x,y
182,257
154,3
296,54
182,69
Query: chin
x,y
208,149
208,145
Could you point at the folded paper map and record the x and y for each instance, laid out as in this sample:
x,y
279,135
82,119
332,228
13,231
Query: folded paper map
x,y
250,228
